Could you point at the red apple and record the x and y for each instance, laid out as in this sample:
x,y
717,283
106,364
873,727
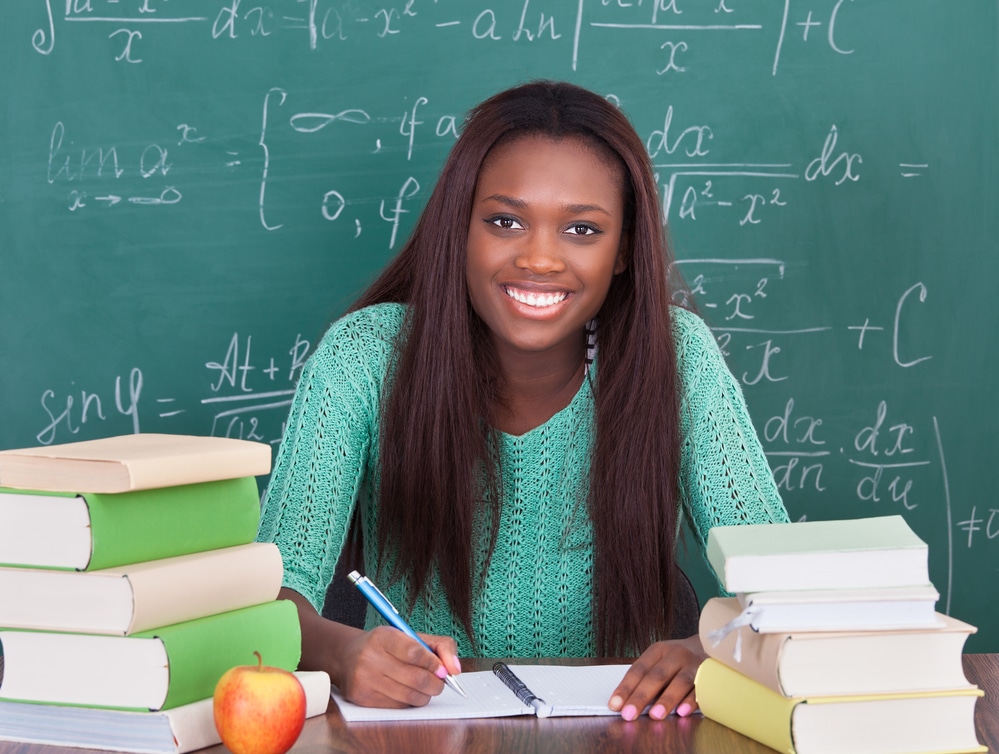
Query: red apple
x,y
259,709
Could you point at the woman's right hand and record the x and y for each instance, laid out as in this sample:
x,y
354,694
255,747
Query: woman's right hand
x,y
378,668
385,668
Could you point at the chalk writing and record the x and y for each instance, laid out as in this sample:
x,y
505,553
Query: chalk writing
x,y
65,412
916,293
319,22
240,392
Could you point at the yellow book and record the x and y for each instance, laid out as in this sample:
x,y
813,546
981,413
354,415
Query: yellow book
x,y
938,722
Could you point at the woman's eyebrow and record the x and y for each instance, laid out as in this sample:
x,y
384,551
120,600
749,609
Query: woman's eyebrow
x,y
511,201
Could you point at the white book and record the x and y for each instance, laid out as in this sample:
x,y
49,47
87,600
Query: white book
x,y
848,554
882,609
182,729
565,690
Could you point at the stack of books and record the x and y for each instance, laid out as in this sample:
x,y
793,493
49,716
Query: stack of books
x,y
832,641
129,583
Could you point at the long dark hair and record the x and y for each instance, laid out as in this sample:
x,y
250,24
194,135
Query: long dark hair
x,y
438,461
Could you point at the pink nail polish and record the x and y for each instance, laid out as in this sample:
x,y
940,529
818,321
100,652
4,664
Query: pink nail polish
x,y
683,710
658,712
629,712
441,672
458,663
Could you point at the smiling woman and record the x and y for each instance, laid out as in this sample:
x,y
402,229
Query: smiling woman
x,y
514,420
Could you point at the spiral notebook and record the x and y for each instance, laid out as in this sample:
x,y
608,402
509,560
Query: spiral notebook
x,y
566,691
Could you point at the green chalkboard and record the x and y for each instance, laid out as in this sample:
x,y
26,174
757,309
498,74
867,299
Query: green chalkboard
x,y
191,190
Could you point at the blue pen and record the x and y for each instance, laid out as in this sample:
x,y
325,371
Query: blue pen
x,y
380,603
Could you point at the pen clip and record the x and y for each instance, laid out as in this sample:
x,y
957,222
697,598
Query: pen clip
x,y
387,602
358,580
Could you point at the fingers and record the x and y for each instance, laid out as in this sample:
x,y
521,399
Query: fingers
x,y
446,650
386,668
661,681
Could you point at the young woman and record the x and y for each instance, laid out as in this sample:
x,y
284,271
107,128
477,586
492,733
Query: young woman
x,y
516,420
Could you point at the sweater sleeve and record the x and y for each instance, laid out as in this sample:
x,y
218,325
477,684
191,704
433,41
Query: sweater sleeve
x,y
724,475
325,455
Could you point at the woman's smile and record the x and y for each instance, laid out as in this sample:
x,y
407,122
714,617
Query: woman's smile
x,y
543,302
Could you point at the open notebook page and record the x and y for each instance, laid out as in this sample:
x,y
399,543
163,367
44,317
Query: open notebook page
x,y
570,690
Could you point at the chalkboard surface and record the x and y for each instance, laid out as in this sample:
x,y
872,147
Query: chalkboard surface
x,y
190,190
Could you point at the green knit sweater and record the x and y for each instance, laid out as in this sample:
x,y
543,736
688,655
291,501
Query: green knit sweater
x,y
537,594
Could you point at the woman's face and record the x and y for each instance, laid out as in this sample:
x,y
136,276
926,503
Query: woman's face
x,y
544,241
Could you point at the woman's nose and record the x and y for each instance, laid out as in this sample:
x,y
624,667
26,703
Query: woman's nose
x,y
539,254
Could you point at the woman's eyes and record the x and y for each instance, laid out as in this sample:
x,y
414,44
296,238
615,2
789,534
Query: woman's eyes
x,y
582,229
511,223
505,222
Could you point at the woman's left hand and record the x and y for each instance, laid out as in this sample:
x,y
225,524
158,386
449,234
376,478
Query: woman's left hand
x,y
661,679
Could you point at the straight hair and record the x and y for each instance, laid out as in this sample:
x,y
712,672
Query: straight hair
x,y
438,459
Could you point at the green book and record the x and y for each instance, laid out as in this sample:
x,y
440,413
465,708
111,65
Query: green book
x,y
153,670
848,554
88,530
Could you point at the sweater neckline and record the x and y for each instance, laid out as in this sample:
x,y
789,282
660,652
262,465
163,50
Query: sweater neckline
x,y
559,417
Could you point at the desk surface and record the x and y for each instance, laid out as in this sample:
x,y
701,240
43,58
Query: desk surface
x,y
694,735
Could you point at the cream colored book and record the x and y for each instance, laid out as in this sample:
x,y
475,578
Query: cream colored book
x,y
176,731
129,599
916,723
827,663
856,553
132,462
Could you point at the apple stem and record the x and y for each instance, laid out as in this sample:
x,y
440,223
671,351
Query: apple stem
x,y
260,660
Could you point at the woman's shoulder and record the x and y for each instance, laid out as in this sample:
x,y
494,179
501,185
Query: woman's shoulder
x,y
698,355
378,322
364,335
688,326
377,319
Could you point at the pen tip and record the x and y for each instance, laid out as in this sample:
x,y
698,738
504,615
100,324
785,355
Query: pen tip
x,y
453,683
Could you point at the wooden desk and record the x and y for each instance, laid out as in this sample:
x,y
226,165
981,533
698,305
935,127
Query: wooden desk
x,y
693,735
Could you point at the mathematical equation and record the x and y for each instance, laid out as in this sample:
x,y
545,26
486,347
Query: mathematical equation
x,y
247,397
693,187
673,27
890,463
765,356
736,310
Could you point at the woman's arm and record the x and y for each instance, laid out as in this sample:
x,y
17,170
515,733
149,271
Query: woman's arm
x,y
322,472
725,478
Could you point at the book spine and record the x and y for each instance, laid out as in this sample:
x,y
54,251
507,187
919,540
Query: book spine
x,y
131,527
753,654
200,651
739,703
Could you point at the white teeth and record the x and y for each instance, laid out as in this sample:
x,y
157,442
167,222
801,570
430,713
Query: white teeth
x,y
536,299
